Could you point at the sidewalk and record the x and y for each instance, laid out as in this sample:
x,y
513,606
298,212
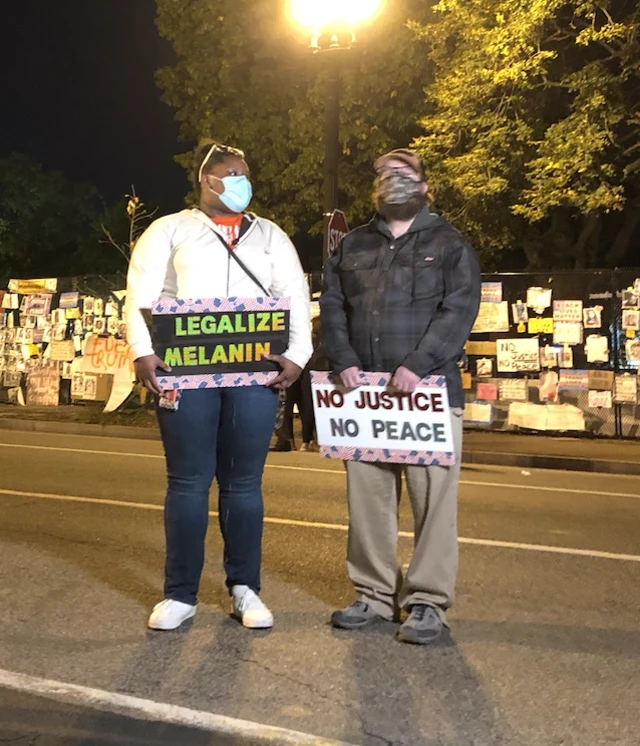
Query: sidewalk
x,y
609,456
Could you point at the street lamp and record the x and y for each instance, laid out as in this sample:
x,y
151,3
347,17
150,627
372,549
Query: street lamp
x,y
332,26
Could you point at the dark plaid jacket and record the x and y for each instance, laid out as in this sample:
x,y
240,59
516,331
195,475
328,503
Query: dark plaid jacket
x,y
409,301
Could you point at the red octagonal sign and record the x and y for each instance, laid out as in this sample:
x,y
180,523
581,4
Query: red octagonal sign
x,y
338,229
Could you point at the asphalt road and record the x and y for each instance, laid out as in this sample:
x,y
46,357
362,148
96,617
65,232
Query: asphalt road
x,y
545,644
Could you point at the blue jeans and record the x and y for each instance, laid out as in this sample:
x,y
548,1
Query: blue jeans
x,y
222,433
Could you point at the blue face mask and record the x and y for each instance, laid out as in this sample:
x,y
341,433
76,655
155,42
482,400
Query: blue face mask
x,y
237,192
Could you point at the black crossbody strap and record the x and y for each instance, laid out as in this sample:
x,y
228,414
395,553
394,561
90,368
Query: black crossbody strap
x,y
246,269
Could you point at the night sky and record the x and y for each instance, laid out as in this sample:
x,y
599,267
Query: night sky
x,y
79,95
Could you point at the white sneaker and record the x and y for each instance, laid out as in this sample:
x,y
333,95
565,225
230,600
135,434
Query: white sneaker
x,y
170,614
248,607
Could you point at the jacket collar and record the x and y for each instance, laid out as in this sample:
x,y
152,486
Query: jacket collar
x,y
424,219
249,219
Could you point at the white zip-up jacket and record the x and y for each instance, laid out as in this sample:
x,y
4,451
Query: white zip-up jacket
x,y
179,256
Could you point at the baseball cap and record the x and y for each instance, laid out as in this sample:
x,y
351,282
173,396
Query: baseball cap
x,y
401,154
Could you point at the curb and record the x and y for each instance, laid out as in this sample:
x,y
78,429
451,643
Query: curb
x,y
539,461
78,428
480,457
99,700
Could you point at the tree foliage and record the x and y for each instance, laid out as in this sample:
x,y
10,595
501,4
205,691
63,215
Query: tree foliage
x,y
46,220
51,226
532,130
245,77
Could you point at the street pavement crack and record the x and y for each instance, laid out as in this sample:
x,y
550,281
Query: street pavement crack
x,y
317,693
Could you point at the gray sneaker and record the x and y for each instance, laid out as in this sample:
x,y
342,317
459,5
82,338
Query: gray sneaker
x,y
422,627
356,616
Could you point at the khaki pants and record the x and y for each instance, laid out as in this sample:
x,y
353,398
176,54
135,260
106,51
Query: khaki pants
x,y
373,492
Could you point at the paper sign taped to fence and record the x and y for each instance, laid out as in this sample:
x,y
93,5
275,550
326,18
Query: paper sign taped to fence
x,y
630,319
577,380
492,317
513,389
62,350
567,310
600,380
43,387
484,367
491,292
518,355
567,332
375,423
69,300
26,287
597,348
487,391
538,299
480,348
592,317
546,417
600,399
632,349
38,304
626,389
478,413
106,355
538,325
219,342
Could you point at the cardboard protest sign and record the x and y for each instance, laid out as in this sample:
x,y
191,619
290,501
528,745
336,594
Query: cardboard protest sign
x,y
478,413
515,355
492,317
38,304
491,292
376,423
513,389
219,342
43,387
107,355
26,287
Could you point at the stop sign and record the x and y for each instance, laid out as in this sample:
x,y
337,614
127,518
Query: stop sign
x,y
338,229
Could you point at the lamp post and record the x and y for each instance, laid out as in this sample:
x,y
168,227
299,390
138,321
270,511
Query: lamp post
x,y
332,26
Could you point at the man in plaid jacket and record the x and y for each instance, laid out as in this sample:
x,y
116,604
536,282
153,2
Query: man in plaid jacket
x,y
400,295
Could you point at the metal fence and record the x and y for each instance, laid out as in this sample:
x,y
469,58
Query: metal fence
x,y
569,383
588,338
561,387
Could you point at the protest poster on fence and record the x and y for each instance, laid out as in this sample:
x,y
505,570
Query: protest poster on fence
x,y
518,355
43,387
106,356
376,423
219,342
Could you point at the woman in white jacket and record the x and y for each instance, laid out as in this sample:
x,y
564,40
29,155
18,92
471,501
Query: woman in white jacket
x,y
221,433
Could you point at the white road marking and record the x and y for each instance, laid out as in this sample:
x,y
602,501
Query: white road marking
x,y
81,450
339,527
540,488
149,710
340,472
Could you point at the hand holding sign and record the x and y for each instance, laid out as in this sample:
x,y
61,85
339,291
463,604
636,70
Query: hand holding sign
x,y
351,377
145,368
405,380
289,374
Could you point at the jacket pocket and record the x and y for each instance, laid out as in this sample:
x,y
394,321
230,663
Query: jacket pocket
x,y
356,270
427,274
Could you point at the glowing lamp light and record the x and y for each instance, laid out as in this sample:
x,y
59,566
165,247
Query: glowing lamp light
x,y
319,14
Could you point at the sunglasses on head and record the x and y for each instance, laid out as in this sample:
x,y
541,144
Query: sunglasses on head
x,y
218,148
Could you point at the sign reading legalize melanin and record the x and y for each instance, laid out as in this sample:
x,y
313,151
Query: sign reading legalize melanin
x,y
204,340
